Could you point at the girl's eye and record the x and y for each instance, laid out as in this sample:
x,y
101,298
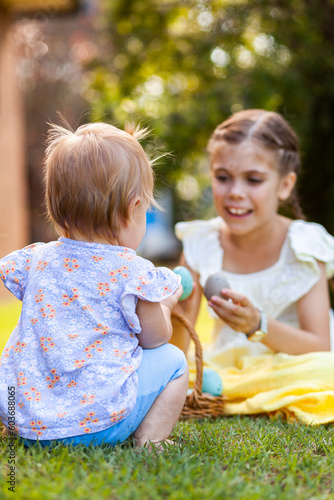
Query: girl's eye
x,y
222,178
255,180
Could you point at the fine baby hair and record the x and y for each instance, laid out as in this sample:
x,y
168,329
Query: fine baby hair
x,y
91,175
266,129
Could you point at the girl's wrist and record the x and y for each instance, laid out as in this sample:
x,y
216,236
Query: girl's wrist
x,y
262,330
256,327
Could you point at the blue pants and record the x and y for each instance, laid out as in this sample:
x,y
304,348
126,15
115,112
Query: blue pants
x,y
158,367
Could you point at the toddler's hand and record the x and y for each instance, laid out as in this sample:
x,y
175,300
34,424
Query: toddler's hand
x,y
173,299
236,311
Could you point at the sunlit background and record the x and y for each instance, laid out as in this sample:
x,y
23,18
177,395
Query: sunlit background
x,y
179,68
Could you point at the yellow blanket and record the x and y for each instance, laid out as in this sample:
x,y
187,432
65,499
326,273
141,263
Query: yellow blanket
x,y
300,387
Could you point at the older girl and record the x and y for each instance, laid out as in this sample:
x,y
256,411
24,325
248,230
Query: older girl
x,y
277,305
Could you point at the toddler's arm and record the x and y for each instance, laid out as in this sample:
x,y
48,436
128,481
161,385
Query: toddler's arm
x,y
155,320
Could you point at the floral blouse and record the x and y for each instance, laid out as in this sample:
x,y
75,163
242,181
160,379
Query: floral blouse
x,y
73,355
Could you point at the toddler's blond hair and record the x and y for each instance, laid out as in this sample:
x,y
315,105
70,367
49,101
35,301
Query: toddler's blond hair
x,y
92,174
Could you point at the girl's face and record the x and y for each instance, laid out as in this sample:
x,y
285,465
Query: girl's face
x,y
247,186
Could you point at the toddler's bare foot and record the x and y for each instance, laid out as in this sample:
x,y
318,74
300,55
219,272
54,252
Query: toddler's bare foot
x,y
158,447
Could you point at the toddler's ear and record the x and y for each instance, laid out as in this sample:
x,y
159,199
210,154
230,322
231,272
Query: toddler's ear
x,y
133,205
287,183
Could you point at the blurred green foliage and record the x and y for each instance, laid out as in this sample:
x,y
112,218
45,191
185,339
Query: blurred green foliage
x,y
182,67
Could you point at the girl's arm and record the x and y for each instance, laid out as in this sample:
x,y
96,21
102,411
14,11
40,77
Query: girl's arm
x,y
313,334
155,320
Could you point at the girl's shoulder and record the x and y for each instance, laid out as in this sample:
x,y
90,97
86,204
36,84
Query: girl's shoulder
x,y
310,241
197,228
200,240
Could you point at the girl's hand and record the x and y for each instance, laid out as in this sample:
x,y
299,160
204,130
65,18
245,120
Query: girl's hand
x,y
173,299
236,311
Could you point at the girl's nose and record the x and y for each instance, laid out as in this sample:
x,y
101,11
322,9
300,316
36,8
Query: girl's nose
x,y
236,189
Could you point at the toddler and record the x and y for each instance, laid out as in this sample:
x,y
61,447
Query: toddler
x,y
89,361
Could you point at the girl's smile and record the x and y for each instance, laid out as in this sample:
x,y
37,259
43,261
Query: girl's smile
x,y
238,212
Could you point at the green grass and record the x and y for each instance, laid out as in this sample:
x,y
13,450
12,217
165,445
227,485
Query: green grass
x,y
233,458
251,458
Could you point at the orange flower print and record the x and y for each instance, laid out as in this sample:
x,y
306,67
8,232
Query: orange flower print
x,y
34,321
87,399
96,345
127,369
7,351
32,247
145,281
88,421
37,427
70,264
39,297
79,363
103,329
62,415
68,300
19,346
28,262
103,288
46,343
72,336
116,272
41,265
54,380
96,258
21,379
48,311
126,255
119,354
115,416
87,308
72,383
32,394
7,268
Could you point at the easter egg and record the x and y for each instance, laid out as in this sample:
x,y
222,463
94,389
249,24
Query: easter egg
x,y
186,281
214,284
212,382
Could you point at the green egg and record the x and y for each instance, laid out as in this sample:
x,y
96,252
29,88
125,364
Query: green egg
x,y
186,281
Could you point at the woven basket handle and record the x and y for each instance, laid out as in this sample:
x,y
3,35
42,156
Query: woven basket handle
x,y
198,351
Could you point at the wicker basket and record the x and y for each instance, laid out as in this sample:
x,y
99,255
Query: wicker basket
x,y
198,405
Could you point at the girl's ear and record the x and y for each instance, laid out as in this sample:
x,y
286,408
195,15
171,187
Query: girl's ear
x,y
287,183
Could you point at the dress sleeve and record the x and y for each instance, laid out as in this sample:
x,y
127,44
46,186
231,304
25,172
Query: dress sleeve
x,y
201,245
14,270
153,284
310,243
